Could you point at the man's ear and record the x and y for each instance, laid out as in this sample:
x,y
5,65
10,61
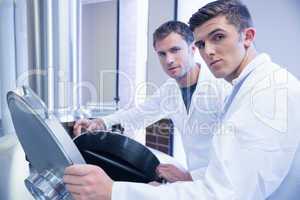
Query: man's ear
x,y
249,36
193,48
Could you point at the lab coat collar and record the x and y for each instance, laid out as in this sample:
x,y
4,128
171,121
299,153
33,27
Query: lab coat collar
x,y
205,76
196,91
200,77
257,61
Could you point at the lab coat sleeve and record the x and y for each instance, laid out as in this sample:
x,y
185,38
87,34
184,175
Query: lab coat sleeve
x,y
139,116
213,187
198,174
176,191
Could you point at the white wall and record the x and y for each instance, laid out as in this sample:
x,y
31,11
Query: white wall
x,y
159,12
1,133
99,34
187,7
278,30
132,56
7,60
14,170
133,48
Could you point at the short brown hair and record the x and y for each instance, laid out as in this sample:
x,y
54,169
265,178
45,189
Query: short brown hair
x,y
173,27
234,10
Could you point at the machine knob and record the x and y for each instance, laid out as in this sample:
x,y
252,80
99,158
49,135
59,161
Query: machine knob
x,y
46,186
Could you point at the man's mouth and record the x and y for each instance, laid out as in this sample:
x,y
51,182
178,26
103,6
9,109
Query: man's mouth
x,y
172,68
214,62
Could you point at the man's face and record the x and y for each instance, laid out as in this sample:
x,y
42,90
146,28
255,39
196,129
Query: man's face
x,y
221,46
175,55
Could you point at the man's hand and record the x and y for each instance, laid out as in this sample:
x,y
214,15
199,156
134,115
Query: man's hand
x,y
88,125
88,182
172,174
154,183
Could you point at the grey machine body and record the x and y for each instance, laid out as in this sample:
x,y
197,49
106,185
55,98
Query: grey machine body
x,y
48,147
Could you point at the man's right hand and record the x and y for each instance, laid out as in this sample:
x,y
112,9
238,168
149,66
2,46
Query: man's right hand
x,y
88,125
88,182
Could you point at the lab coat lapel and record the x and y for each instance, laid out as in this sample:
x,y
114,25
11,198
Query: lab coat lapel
x,y
180,103
183,110
205,77
251,80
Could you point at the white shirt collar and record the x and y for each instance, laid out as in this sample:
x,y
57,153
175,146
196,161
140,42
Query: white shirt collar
x,y
258,60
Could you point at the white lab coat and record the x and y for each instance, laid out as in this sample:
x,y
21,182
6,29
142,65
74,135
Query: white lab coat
x,y
196,127
251,152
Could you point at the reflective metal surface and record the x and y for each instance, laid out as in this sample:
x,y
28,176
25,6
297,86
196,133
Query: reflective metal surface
x,y
47,146
46,185
1,129
53,39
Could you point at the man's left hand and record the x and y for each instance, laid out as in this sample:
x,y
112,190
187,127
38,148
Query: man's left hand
x,y
172,174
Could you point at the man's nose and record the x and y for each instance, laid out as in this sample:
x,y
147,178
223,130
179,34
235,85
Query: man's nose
x,y
209,50
170,59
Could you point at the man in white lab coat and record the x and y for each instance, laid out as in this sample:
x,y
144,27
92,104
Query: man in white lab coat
x,y
192,98
253,150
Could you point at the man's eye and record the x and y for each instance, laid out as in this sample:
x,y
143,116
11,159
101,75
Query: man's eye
x,y
200,44
174,50
218,37
161,54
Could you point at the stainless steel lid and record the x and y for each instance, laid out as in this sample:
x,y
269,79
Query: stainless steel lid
x,y
47,145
